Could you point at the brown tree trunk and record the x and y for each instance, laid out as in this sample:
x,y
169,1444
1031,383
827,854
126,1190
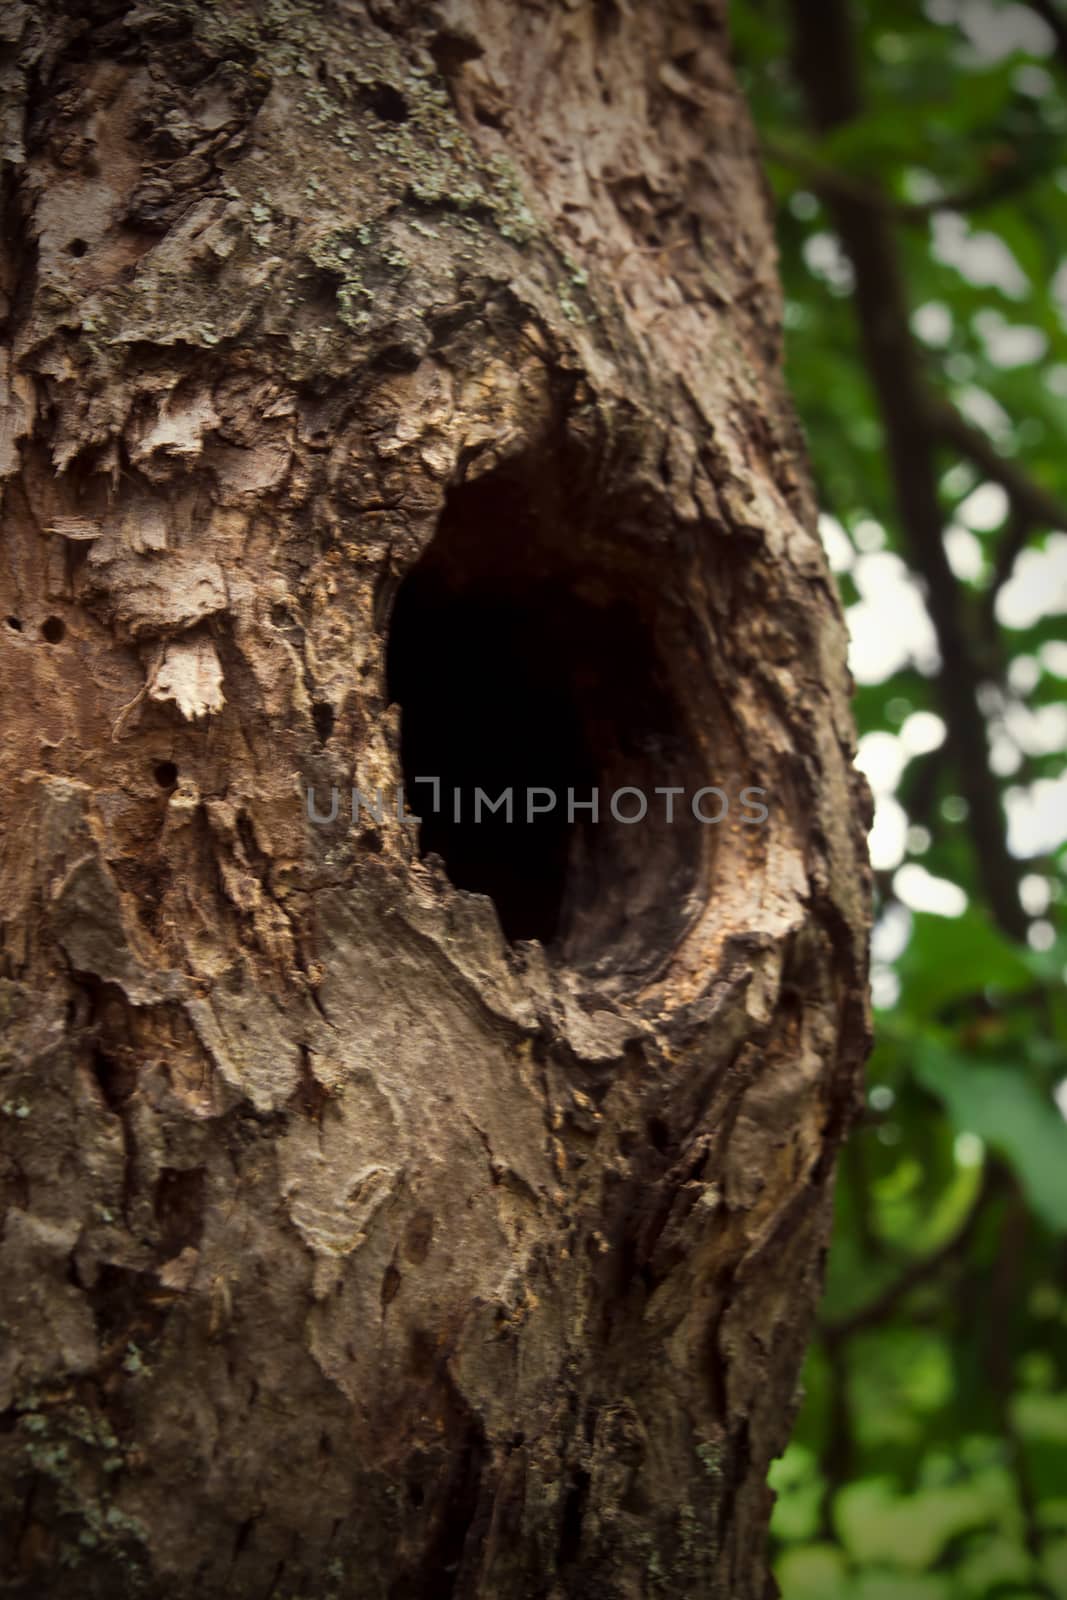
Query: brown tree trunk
x,y
393,392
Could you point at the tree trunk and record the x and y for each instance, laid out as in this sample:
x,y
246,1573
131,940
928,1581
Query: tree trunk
x,y
394,393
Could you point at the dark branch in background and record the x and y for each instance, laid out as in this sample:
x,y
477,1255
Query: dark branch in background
x,y
918,793
919,1272
827,180
1004,1291
856,1173
1056,20
1038,505
1010,546
828,75
836,1456
1032,506
914,423
920,786
1013,542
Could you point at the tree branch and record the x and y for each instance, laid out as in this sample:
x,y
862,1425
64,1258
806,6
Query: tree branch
x,y
836,1457
1032,505
1038,505
1054,19
1010,546
919,1272
828,74
1004,1290
832,181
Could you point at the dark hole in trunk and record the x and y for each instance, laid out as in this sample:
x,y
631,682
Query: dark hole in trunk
x,y
523,655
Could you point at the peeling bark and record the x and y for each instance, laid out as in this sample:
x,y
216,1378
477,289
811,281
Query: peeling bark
x,y
365,1234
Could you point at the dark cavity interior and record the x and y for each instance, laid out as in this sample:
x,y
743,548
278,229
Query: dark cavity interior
x,y
521,661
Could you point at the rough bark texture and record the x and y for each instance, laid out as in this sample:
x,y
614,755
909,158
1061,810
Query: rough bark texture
x,y
351,1247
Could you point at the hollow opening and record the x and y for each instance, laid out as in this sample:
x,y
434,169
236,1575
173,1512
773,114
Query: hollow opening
x,y
526,653
53,630
387,103
14,624
322,715
165,774
117,1078
78,248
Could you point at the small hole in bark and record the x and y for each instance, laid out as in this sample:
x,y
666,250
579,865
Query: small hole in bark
x,y
53,630
78,247
526,661
570,1537
386,102
419,1237
659,1135
116,1079
488,116
14,624
179,1207
322,716
122,1306
165,774
451,50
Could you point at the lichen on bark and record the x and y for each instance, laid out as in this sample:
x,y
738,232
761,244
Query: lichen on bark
x,y
350,1246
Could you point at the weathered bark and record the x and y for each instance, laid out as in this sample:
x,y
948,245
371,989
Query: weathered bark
x,y
354,1246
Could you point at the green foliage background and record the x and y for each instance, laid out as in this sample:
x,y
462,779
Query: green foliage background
x,y
930,1456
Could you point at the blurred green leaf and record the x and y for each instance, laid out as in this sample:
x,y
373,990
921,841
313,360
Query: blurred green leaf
x,y
1004,1108
881,1526
814,1572
951,959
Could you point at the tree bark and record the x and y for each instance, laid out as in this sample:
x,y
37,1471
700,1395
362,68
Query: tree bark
x,y
395,384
